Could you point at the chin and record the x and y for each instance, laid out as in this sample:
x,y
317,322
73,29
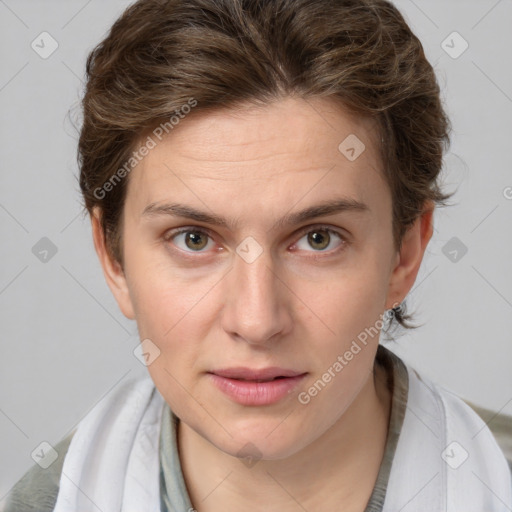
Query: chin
x,y
257,439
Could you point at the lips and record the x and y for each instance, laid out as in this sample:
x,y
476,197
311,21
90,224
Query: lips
x,y
256,387
261,380
261,375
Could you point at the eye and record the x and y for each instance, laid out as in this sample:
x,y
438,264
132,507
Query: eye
x,y
189,239
196,240
320,238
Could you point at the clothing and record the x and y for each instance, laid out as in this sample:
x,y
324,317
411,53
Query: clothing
x,y
175,496
124,456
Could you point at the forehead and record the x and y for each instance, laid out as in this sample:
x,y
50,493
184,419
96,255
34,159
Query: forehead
x,y
248,156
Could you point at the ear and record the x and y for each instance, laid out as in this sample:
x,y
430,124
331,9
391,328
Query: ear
x,y
112,270
410,256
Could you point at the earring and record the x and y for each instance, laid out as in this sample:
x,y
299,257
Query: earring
x,y
390,313
398,309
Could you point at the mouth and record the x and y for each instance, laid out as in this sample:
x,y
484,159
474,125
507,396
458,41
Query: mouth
x,y
251,388
262,375
261,380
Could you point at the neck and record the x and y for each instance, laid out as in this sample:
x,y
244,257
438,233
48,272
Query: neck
x,y
339,467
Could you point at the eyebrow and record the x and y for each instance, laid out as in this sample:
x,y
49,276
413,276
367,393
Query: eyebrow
x,y
331,207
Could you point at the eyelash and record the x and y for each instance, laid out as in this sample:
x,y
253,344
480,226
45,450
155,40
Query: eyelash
x,y
170,235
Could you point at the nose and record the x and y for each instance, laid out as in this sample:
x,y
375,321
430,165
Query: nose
x,y
256,307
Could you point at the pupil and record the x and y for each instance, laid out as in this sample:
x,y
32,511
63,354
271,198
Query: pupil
x,y
316,238
195,239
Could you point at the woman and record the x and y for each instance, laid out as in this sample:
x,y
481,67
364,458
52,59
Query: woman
x,y
261,178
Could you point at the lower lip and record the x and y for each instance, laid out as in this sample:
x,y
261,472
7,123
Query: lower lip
x,y
256,393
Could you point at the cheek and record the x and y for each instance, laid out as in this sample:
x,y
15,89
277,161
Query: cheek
x,y
161,296
173,313
176,331
348,301
343,359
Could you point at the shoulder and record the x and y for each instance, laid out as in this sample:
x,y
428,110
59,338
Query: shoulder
x,y
465,427
37,490
457,419
446,450
500,425
469,458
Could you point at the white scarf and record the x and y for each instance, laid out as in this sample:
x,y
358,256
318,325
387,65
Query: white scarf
x,y
112,464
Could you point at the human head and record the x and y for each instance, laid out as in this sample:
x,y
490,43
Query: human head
x,y
163,59
240,109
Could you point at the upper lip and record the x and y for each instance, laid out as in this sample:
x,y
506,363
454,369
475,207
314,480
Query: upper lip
x,y
252,374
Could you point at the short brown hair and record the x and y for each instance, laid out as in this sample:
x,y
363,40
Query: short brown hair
x,y
160,54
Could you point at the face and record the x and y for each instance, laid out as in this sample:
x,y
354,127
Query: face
x,y
230,262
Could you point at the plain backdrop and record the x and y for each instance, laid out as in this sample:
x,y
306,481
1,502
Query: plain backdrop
x,y
64,342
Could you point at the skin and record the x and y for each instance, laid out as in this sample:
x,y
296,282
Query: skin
x,y
299,305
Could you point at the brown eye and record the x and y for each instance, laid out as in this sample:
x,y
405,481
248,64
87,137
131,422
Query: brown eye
x,y
319,239
189,240
195,240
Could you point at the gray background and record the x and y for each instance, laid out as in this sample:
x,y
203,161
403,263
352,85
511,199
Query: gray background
x,y
65,344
